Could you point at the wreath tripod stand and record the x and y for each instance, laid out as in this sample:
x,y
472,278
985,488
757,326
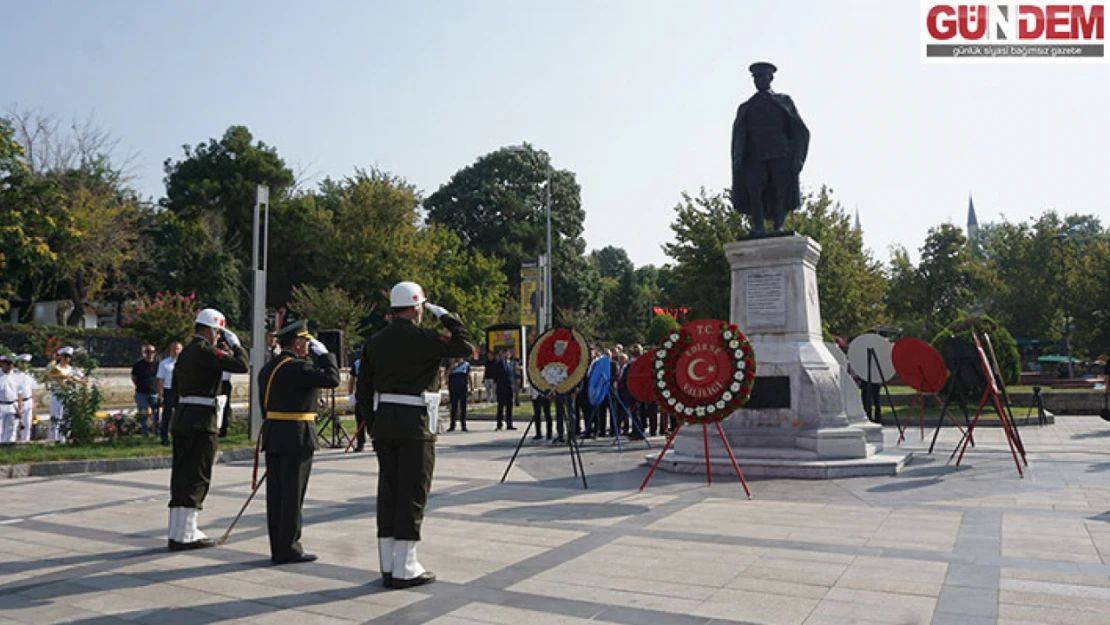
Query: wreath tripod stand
x,y
563,407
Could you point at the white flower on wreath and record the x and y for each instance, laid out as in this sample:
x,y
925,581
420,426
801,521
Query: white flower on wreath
x,y
668,344
666,393
726,396
710,409
733,344
662,384
661,353
727,334
674,337
679,407
671,401
700,411
689,411
720,404
739,354
739,375
735,388
661,374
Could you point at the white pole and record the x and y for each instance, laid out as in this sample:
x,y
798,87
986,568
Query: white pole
x,y
260,258
548,295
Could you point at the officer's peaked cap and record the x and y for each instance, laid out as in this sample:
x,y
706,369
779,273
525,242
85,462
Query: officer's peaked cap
x,y
297,328
762,67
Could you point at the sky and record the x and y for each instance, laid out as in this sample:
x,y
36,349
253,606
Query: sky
x,y
636,97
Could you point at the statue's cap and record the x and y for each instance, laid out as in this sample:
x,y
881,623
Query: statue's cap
x,y
762,67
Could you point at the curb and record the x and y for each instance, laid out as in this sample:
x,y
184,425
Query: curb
x,y
108,465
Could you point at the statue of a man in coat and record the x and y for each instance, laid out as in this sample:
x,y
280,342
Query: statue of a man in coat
x,y
769,145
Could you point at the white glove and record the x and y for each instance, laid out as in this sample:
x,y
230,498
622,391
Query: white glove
x,y
351,401
438,311
232,340
318,348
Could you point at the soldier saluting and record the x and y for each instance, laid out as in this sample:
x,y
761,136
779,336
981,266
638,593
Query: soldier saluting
x,y
197,378
399,365
290,385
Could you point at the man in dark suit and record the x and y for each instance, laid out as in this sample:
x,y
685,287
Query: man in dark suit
x,y
291,385
505,377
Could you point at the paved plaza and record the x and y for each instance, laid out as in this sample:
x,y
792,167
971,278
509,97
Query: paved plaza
x,y
932,545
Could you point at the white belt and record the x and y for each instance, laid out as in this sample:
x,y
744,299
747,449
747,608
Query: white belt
x,y
396,398
194,400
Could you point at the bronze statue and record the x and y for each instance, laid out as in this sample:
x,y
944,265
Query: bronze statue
x,y
769,145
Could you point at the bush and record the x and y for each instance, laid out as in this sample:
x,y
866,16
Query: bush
x,y
660,327
163,319
1005,347
81,401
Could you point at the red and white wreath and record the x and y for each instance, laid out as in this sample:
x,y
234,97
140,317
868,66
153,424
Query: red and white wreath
x,y
704,371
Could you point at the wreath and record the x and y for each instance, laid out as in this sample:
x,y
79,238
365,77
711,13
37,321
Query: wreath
x,y
727,379
558,360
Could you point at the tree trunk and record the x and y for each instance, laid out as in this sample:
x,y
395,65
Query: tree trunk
x,y
77,295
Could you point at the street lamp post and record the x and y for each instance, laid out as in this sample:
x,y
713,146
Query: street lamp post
x,y
546,321
1062,239
548,295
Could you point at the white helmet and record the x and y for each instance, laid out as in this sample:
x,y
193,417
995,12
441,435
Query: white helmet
x,y
406,295
212,318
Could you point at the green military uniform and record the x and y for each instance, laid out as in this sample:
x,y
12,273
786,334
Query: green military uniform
x,y
404,360
197,377
290,387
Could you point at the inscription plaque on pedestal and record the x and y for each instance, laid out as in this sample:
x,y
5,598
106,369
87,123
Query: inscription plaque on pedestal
x,y
765,298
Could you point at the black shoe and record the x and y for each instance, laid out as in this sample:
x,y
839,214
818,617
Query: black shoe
x,y
387,580
426,578
558,440
203,543
295,559
360,447
498,427
464,429
510,428
537,437
451,429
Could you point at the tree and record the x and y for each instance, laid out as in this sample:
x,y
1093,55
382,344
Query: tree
x,y
85,215
497,207
905,295
1005,347
701,275
850,282
25,206
162,319
612,262
374,240
661,326
102,218
214,186
947,276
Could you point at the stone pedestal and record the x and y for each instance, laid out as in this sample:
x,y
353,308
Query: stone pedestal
x,y
805,418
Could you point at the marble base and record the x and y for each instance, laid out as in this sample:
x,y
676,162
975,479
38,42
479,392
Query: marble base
x,y
757,463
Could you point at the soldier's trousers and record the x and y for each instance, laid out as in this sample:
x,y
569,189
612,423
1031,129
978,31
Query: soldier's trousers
x,y
286,484
404,478
193,455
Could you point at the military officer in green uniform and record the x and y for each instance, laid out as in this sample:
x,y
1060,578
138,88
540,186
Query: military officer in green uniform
x,y
398,380
290,385
195,425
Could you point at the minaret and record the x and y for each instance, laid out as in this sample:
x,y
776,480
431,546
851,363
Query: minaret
x,y
858,228
972,222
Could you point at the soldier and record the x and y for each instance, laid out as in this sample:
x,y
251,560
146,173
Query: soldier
x,y
196,382
399,364
27,395
289,385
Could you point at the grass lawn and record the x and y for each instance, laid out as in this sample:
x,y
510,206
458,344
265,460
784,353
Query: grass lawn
x,y
131,447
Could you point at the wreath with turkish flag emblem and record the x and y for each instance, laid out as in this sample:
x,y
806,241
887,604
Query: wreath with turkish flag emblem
x,y
704,371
